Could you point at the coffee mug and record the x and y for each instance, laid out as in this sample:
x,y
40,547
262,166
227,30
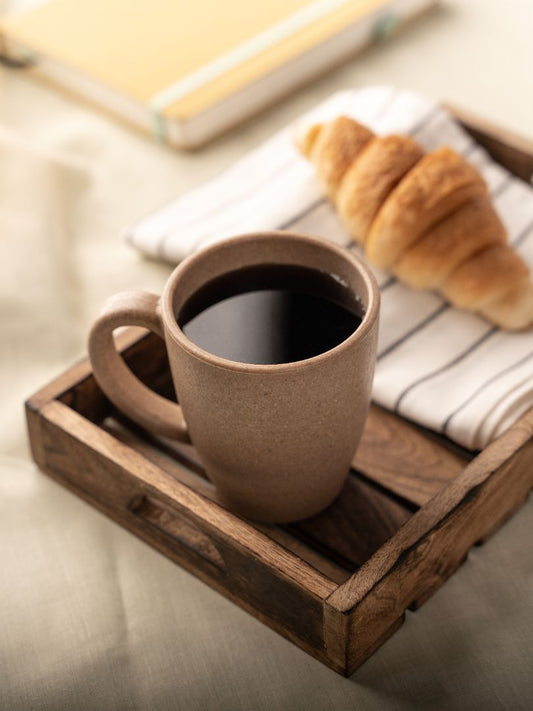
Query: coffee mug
x,y
276,438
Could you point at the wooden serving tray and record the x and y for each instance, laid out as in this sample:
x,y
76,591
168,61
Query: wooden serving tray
x,y
339,584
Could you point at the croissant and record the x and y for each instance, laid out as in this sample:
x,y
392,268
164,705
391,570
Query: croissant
x,y
426,217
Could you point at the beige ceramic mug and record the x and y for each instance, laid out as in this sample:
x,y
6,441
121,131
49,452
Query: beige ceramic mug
x,y
276,440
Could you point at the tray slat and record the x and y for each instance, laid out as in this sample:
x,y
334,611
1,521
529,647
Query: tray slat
x,y
403,458
355,525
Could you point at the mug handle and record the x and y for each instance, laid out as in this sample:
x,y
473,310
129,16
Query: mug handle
x,y
122,387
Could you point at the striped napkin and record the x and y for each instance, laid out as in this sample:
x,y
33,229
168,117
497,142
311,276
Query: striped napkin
x,y
446,369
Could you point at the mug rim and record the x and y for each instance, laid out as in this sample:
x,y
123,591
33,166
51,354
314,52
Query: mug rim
x,y
172,327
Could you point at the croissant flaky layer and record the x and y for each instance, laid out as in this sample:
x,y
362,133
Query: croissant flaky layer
x,y
426,217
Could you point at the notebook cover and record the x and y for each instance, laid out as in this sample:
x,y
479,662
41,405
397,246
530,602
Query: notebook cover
x,y
147,48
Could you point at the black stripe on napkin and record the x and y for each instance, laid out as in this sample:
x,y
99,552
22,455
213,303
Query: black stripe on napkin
x,y
213,209
478,390
504,185
425,120
523,234
458,358
419,326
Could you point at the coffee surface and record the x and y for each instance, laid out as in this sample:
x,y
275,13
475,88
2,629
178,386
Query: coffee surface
x,y
270,314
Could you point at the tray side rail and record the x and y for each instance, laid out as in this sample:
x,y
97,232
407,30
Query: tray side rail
x,y
411,566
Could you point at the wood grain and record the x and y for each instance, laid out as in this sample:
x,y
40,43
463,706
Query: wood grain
x,y
402,458
358,522
413,564
152,480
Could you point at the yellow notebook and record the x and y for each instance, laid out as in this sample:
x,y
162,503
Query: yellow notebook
x,y
188,69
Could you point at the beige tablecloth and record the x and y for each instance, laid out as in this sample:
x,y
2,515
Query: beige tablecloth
x,y
90,617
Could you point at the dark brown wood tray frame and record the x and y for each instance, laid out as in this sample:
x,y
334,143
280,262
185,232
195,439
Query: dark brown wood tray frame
x,y
338,585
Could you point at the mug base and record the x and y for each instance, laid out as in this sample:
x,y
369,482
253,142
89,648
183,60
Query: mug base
x,y
278,514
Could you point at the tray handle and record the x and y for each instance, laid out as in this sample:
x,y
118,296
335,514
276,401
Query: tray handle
x,y
177,527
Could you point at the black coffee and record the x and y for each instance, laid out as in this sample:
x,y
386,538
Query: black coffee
x,y
270,314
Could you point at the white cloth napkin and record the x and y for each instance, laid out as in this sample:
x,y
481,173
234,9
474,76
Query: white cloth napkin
x,y
446,369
